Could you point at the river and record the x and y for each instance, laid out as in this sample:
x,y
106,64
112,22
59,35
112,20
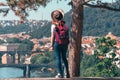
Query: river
x,y
8,72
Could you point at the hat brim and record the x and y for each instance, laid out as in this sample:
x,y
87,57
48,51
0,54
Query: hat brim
x,y
57,15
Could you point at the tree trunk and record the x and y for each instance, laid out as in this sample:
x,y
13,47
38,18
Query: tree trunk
x,y
75,38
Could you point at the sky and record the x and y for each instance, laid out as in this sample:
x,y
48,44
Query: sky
x,y
43,13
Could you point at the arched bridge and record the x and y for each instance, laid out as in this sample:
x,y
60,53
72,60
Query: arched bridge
x,y
27,67
13,55
16,55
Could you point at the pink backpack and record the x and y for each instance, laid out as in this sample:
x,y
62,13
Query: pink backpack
x,y
62,34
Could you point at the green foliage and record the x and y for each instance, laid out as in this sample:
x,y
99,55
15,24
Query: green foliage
x,y
87,61
40,59
106,49
46,58
2,41
26,45
98,22
14,29
40,32
89,72
103,60
13,40
104,45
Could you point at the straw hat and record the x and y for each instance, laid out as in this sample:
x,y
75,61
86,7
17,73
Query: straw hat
x,y
57,15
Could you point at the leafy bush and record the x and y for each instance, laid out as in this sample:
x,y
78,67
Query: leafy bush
x,y
46,58
102,64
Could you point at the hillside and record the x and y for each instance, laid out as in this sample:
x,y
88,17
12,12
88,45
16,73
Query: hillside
x,y
97,22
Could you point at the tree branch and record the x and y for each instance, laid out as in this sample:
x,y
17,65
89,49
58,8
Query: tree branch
x,y
102,6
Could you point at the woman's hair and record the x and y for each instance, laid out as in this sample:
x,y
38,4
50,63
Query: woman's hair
x,y
61,23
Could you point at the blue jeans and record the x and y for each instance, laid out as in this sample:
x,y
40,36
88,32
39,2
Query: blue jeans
x,y
60,51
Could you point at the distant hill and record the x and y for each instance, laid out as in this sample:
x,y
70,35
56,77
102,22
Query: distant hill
x,y
37,29
97,22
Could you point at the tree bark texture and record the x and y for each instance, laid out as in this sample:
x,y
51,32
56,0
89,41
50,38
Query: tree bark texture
x,y
75,38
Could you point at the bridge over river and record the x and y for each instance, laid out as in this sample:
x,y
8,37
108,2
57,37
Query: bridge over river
x,y
27,67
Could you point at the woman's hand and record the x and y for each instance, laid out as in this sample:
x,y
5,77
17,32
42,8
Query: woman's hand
x,y
51,48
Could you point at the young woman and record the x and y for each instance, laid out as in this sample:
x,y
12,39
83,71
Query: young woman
x,y
59,47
